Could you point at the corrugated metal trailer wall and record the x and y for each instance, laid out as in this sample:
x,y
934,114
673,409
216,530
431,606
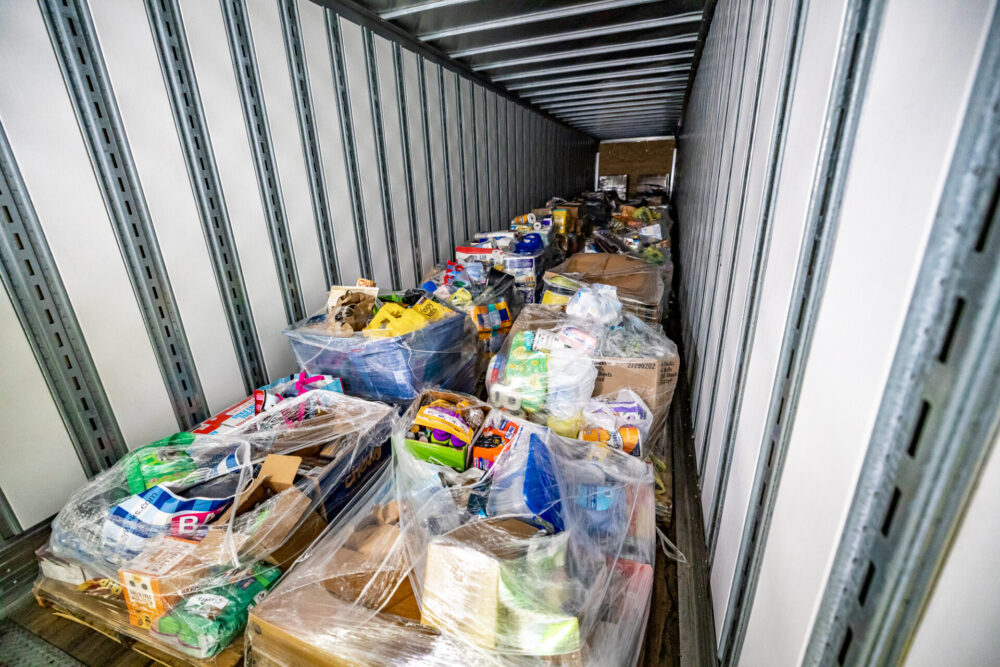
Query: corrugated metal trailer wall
x,y
836,184
182,179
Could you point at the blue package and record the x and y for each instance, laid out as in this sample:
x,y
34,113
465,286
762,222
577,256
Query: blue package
x,y
529,244
541,488
601,508
529,491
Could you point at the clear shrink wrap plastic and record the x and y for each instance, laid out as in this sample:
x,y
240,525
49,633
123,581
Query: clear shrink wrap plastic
x,y
187,533
554,362
420,345
489,297
544,559
657,252
639,283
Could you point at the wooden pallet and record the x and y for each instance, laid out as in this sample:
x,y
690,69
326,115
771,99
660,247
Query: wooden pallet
x,y
111,620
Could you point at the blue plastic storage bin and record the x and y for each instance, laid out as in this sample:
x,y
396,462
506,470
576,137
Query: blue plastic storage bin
x,y
383,369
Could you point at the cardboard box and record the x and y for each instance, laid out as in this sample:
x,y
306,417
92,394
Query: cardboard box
x,y
639,284
462,577
653,379
488,257
291,637
387,590
158,578
171,568
335,467
368,572
230,418
283,529
337,481
459,459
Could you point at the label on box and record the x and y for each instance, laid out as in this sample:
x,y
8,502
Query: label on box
x,y
466,254
518,265
143,594
206,605
228,419
652,231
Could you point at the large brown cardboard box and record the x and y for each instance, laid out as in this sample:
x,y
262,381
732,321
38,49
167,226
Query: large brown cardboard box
x,y
639,283
653,378
359,610
305,632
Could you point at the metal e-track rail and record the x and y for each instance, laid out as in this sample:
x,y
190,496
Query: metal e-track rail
x,y
78,52
402,109
939,413
375,103
43,307
234,15
305,112
192,129
343,95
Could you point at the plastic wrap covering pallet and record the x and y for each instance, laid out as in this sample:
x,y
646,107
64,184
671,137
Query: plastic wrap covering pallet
x,y
553,364
386,367
188,533
110,618
546,559
639,283
489,298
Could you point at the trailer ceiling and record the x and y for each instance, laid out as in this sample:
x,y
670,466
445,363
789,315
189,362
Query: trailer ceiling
x,y
610,68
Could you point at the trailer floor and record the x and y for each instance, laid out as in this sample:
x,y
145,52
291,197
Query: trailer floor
x,y
31,635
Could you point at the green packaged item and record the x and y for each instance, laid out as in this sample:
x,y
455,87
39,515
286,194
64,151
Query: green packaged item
x,y
527,370
206,622
441,454
161,461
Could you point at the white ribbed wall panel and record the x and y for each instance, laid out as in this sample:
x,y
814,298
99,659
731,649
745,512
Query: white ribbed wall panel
x,y
889,205
52,158
737,195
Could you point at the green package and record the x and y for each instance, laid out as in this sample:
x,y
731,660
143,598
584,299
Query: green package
x,y
207,622
162,461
